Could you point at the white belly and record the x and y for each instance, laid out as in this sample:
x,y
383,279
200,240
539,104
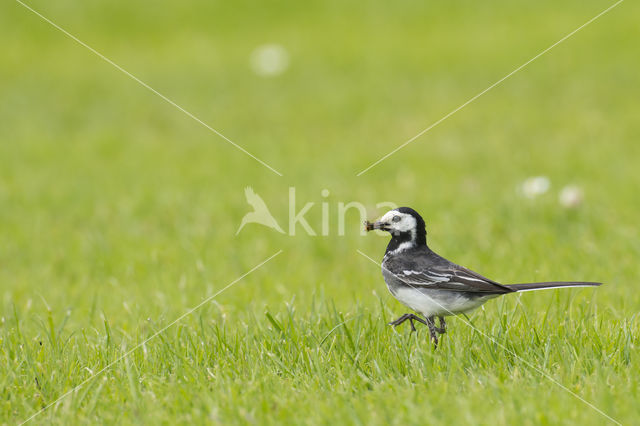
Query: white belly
x,y
437,302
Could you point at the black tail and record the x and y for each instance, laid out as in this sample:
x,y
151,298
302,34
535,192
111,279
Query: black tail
x,y
551,284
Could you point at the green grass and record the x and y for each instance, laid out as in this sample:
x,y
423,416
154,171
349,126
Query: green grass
x,y
118,213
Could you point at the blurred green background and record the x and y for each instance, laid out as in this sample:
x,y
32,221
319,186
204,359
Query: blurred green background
x,y
118,212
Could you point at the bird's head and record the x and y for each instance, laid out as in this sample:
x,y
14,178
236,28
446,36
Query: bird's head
x,y
404,224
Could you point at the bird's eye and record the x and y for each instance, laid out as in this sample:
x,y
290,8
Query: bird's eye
x,y
396,219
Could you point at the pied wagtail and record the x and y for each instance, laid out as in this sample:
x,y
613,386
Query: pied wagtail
x,y
430,284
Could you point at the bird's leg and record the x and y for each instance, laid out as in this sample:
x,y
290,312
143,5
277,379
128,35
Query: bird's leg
x,y
443,325
432,331
409,317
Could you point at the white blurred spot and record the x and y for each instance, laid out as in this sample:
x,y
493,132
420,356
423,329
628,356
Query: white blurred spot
x,y
570,196
534,186
269,60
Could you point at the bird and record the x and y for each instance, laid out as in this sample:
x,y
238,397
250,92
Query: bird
x,y
260,213
431,285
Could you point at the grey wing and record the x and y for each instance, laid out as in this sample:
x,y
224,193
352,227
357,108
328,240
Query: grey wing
x,y
447,276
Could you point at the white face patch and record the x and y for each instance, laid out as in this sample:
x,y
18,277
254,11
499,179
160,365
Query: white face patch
x,y
399,222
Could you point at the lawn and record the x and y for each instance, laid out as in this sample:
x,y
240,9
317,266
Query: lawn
x,y
119,212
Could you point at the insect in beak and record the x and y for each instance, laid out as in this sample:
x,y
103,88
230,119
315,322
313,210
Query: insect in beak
x,y
370,226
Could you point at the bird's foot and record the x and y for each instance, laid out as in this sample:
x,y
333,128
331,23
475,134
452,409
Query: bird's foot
x,y
411,318
443,326
433,330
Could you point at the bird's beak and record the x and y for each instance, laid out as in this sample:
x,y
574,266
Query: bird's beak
x,y
370,226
